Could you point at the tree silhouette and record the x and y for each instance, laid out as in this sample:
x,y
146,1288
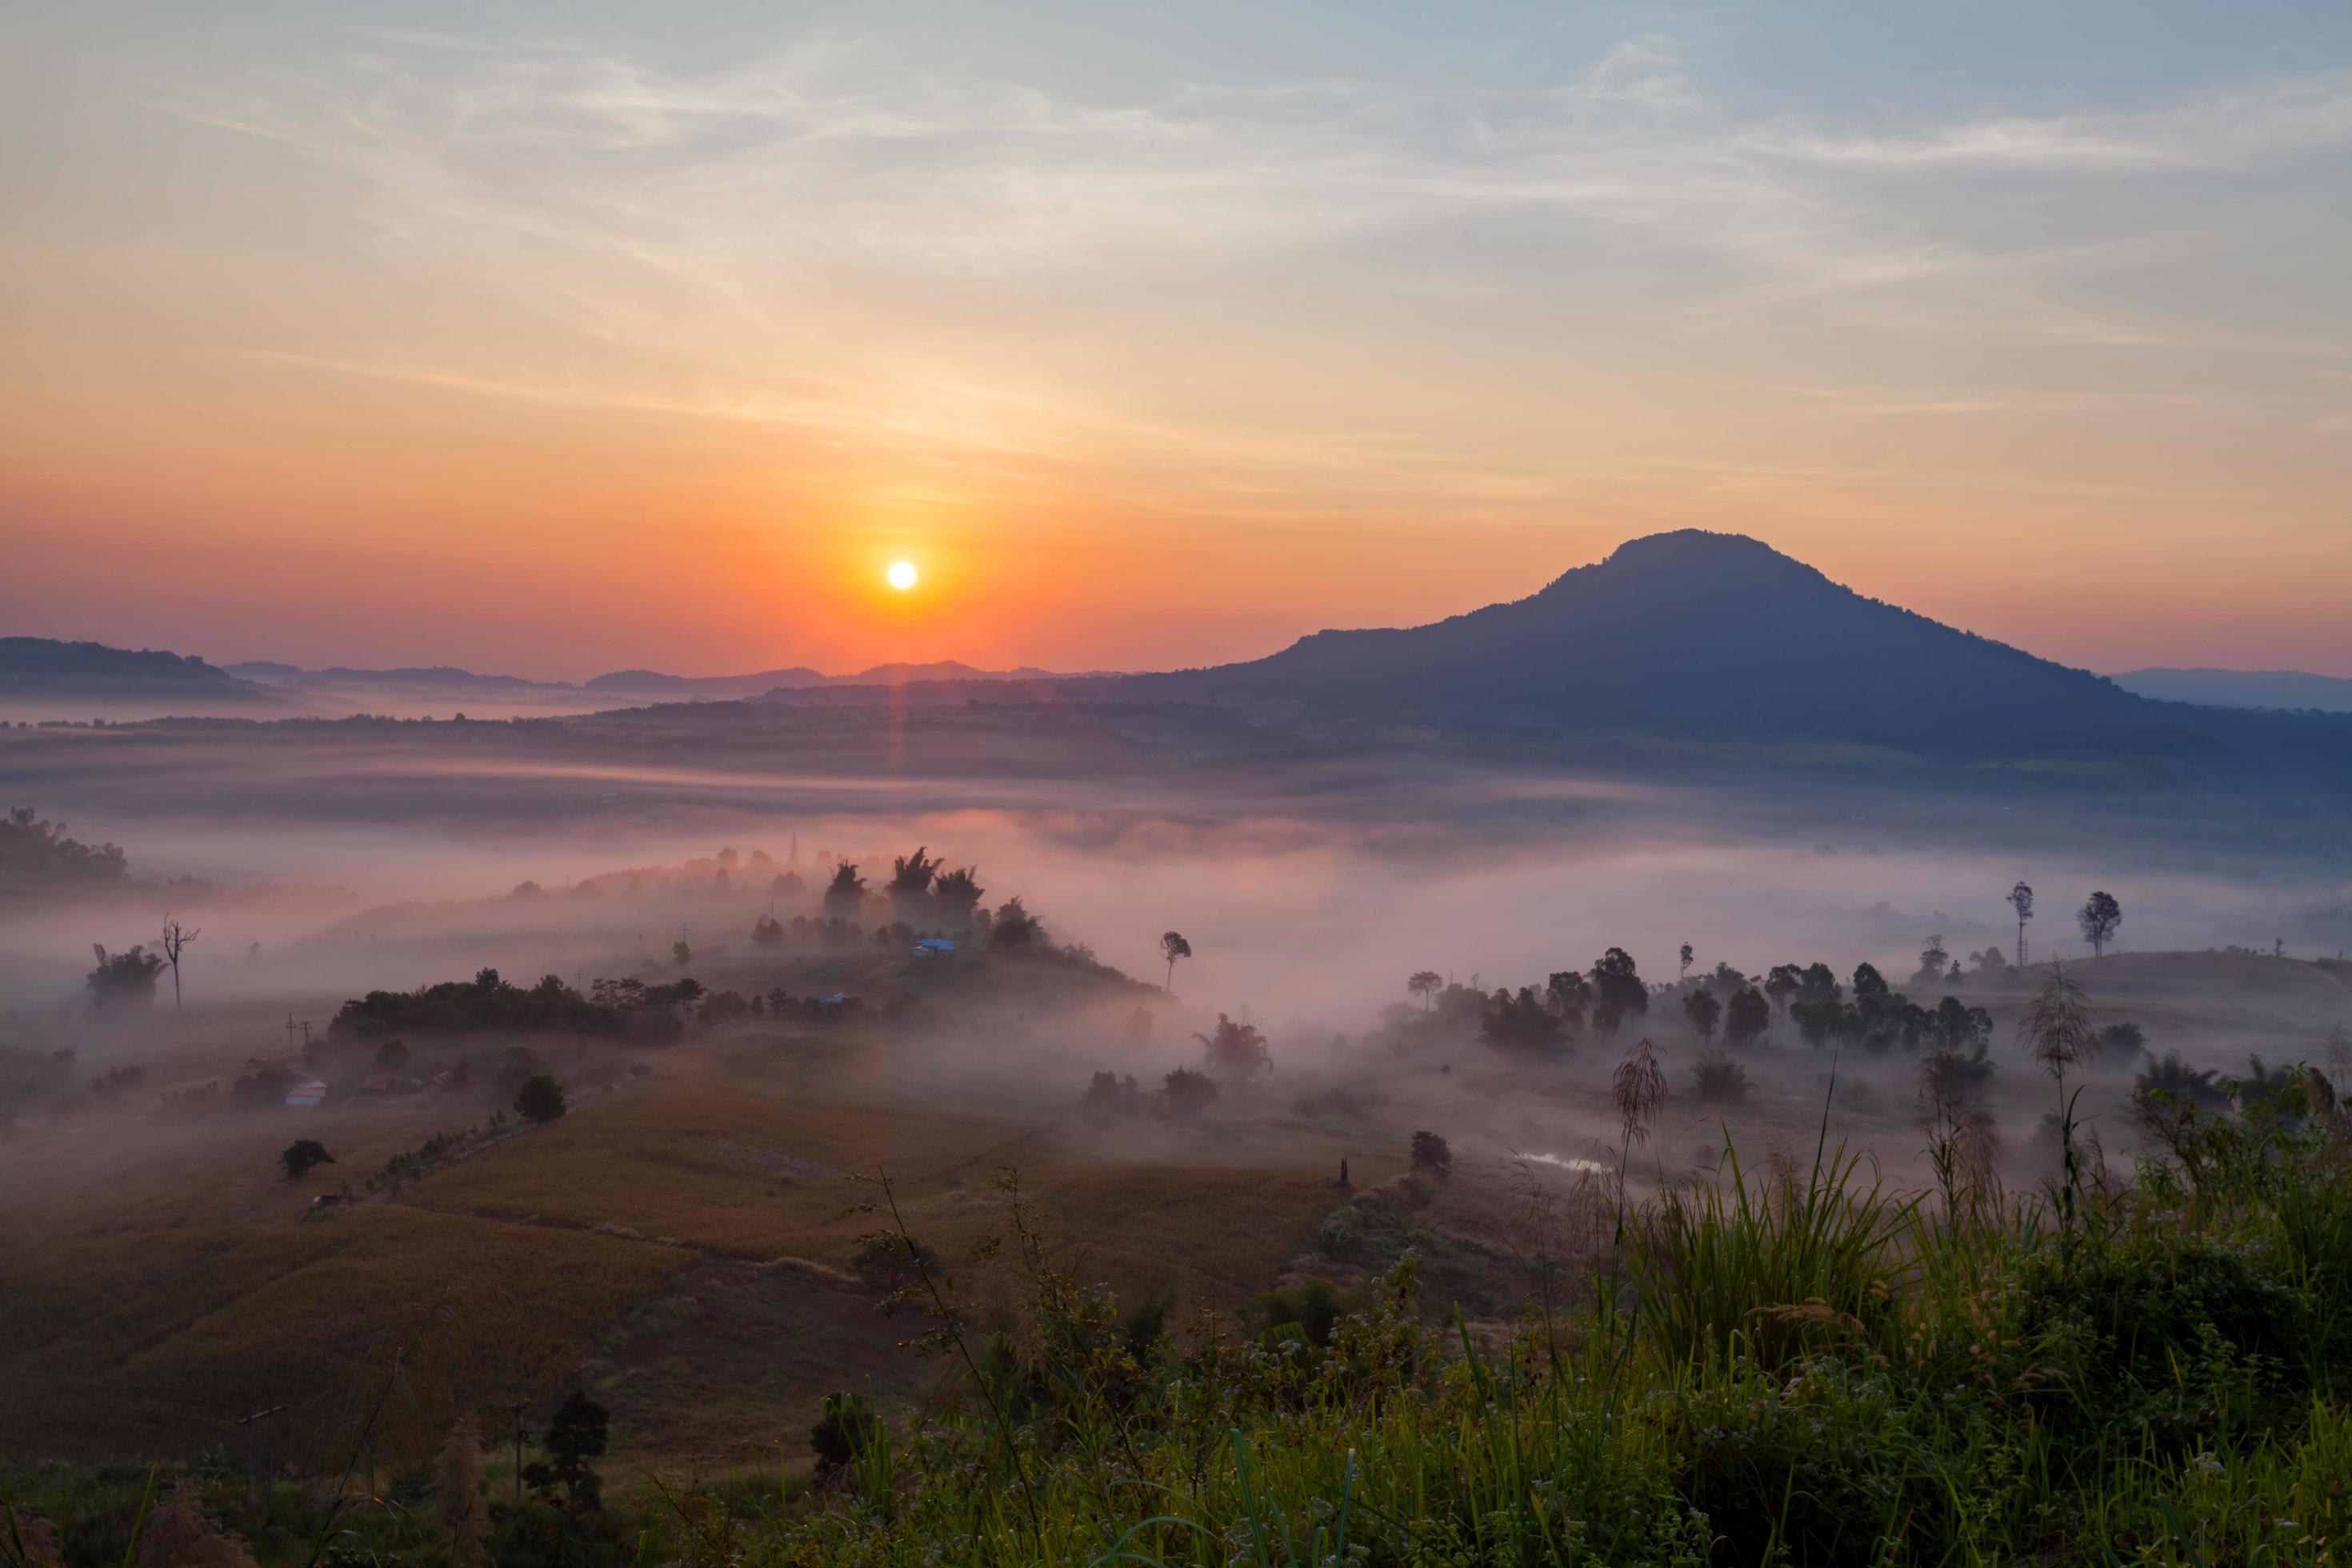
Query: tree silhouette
x,y
1425,984
2099,917
1686,956
1747,1017
1236,1050
175,939
844,895
1618,990
1016,930
2020,899
956,894
125,976
911,887
1172,946
302,1154
1702,1009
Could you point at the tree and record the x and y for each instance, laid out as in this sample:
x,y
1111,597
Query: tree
x,y
1431,1153
302,1155
541,1099
1188,1094
1236,1050
1425,984
1933,962
767,931
681,953
1702,1009
1569,995
956,895
1521,1022
844,895
392,1055
1172,946
1747,1017
1618,989
36,854
1016,930
1683,973
175,937
911,887
2056,1025
1782,981
125,976
2099,917
577,1432
2020,899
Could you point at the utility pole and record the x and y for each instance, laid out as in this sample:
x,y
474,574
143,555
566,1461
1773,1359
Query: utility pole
x,y
289,1034
518,1437
246,1421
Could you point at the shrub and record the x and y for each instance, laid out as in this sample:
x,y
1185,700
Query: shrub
x,y
303,1155
1717,1079
1431,1153
541,1099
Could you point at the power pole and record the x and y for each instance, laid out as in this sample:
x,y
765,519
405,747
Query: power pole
x,y
518,1437
289,1034
246,1421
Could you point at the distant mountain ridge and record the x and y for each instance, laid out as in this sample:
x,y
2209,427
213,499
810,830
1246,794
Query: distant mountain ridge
x,y
45,670
653,683
2290,689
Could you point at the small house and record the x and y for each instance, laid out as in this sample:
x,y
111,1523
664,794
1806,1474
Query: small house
x,y
934,947
306,1094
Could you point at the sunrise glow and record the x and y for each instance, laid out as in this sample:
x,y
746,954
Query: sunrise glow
x,y
901,576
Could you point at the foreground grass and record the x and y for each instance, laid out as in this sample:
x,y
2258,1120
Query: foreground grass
x,y
1790,1366
1793,1366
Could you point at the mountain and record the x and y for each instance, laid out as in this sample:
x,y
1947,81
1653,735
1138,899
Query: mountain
x,y
2286,689
714,688
43,671
1720,637
723,688
441,676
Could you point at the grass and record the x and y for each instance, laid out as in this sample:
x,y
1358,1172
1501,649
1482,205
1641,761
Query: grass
x,y
127,1343
1797,1367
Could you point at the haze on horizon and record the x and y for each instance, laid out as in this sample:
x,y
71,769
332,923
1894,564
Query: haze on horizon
x,y
556,341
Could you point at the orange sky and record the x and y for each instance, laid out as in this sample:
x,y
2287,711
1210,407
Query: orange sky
x,y
556,355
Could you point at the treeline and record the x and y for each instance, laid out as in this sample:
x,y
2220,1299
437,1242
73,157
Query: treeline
x,y
616,1009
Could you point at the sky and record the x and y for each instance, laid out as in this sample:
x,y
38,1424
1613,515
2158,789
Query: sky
x,y
556,339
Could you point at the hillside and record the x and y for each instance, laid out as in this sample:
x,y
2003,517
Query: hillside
x,y
1721,638
2286,689
45,670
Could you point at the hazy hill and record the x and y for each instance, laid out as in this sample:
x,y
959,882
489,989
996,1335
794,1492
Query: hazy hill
x,y
653,683
43,670
2287,689
1717,636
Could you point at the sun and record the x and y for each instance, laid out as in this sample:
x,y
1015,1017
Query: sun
x,y
901,574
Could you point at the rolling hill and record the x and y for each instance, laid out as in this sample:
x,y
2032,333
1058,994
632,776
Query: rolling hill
x,y
43,670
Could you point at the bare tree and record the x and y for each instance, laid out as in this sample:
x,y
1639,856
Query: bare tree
x,y
175,939
2020,899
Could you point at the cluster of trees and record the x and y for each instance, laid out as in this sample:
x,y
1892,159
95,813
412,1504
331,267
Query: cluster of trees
x,y
923,892
37,856
1184,1095
616,1009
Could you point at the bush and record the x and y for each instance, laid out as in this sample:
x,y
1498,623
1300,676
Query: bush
x,y
302,1155
1717,1079
1431,1153
541,1099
